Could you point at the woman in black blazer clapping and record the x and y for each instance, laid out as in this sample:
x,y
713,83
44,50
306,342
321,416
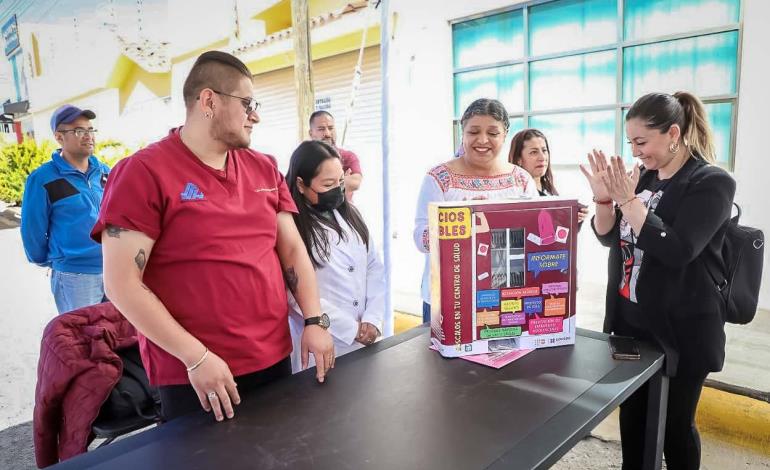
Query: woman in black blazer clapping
x,y
658,220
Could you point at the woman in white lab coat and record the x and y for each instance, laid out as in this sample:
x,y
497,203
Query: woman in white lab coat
x,y
349,270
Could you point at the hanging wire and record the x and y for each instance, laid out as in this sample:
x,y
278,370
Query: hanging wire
x,y
139,16
237,20
77,33
357,73
113,16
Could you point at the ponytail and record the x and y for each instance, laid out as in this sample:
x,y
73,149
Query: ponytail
x,y
696,131
661,111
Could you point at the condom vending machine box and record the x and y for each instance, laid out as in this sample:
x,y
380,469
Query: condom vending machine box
x,y
502,274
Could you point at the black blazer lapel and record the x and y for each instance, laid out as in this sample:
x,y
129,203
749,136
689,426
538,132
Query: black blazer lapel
x,y
676,189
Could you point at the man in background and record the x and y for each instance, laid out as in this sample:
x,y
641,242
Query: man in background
x,y
60,205
322,128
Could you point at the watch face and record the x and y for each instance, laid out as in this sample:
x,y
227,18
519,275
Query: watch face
x,y
324,321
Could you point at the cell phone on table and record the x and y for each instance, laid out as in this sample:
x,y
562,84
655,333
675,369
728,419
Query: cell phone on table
x,y
624,348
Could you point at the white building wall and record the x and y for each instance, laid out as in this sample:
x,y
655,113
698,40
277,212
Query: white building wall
x,y
145,118
103,104
197,23
752,164
72,64
421,97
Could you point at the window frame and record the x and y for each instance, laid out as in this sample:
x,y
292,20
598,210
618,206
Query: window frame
x,y
620,44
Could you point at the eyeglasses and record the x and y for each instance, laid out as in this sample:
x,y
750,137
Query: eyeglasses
x,y
250,105
79,132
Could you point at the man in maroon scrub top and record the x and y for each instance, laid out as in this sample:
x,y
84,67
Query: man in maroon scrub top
x,y
322,128
199,246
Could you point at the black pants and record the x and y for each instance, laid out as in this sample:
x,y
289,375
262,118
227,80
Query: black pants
x,y
681,447
178,400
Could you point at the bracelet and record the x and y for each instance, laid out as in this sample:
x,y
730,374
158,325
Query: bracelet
x,y
621,205
200,361
606,202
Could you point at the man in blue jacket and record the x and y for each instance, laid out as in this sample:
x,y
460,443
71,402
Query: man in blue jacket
x,y
60,206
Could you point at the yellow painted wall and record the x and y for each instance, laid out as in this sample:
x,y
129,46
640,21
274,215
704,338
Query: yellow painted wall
x,y
339,45
158,83
38,69
321,7
126,74
278,16
195,53
71,99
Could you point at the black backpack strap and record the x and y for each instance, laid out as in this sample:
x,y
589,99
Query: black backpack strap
x,y
713,271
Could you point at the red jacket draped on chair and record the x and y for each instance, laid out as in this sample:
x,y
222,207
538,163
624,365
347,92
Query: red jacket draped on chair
x,y
78,368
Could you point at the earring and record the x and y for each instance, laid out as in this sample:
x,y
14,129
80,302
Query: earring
x,y
207,115
674,147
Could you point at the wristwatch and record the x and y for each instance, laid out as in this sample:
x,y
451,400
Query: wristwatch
x,y
321,320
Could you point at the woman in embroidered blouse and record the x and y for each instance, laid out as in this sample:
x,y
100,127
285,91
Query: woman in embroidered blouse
x,y
530,150
478,173
348,268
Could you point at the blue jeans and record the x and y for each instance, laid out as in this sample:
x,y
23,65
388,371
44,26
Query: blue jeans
x,y
72,291
425,312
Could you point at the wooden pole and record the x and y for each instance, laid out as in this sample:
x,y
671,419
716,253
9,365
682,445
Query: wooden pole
x,y
303,65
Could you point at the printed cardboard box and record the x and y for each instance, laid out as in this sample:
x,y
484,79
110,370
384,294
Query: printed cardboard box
x,y
502,274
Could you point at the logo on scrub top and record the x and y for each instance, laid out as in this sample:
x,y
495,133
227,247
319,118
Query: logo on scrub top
x,y
192,193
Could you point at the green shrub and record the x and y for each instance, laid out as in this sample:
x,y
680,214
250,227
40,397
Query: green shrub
x,y
17,161
111,151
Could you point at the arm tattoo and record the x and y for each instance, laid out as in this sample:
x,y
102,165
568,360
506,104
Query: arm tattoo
x,y
114,231
140,259
291,279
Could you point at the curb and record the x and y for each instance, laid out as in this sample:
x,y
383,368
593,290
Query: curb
x,y
404,321
12,213
736,419
10,217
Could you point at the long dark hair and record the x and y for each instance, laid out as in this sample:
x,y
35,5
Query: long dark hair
x,y
515,156
304,164
660,111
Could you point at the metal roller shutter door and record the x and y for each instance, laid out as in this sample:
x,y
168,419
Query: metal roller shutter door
x,y
332,77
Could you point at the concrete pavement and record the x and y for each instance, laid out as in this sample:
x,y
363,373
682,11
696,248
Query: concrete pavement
x,y
26,306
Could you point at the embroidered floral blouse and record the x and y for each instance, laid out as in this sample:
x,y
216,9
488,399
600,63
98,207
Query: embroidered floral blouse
x,y
442,184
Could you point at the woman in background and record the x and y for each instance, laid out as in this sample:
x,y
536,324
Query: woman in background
x,y
349,270
530,150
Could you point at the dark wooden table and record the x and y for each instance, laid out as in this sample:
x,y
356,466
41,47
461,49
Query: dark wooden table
x,y
397,405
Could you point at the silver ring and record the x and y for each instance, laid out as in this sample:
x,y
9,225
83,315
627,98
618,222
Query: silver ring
x,y
212,395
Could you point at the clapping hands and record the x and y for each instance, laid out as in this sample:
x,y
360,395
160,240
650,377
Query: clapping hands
x,y
610,180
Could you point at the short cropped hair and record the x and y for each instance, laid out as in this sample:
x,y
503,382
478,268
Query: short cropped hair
x,y
320,112
216,70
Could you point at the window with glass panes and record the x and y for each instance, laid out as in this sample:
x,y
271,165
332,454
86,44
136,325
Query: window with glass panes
x,y
572,68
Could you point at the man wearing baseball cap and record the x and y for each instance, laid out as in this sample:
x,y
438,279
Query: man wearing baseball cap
x,y
60,206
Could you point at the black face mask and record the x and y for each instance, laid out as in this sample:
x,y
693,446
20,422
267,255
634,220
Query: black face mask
x,y
330,200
